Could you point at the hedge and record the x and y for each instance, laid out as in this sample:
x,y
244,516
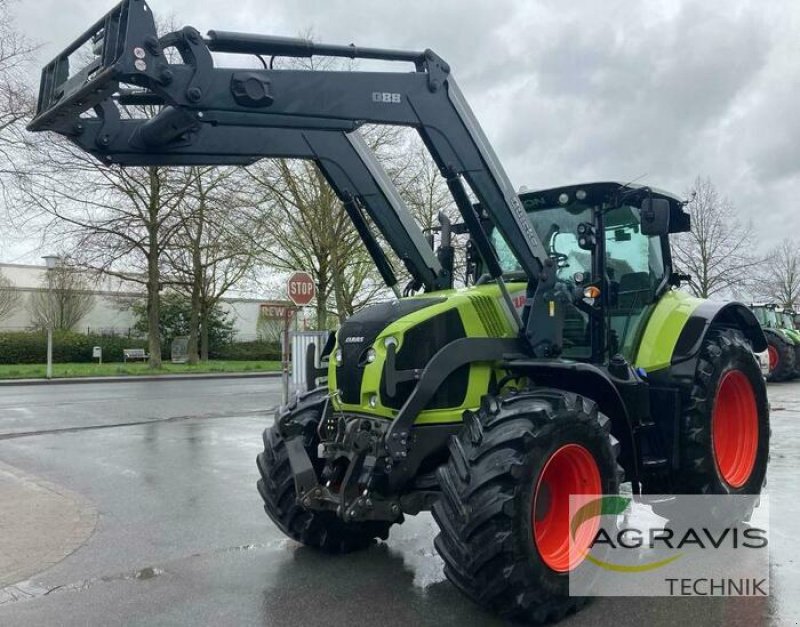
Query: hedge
x,y
68,347
20,347
247,351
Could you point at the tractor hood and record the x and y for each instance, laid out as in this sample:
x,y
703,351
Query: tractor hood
x,y
418,327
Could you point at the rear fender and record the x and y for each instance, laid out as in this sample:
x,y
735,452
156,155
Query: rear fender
x,y
708,314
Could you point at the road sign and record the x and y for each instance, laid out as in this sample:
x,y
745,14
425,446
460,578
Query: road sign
x,y
300,288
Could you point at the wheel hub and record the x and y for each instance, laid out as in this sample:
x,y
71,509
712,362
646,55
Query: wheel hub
x,y
570,470
734,428
774,358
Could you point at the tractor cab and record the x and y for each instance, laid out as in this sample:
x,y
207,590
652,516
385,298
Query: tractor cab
x,y
614,267
788,319
766,315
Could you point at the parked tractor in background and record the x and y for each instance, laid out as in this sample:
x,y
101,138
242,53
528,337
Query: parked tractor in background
x,y
568,364
783,341
789,319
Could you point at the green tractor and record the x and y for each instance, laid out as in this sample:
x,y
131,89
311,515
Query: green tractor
x,y
568,364
783,341
787,320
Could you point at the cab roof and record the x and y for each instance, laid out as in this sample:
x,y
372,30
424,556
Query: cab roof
x,y
606,192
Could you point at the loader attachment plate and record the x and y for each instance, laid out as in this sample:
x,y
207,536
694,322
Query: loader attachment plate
x,y
86,73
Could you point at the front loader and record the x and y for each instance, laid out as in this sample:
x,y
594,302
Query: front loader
x,y
568,364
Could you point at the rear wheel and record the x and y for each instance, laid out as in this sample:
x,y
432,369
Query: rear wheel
x,y
724,436
323,530
782,357
796,360
504,511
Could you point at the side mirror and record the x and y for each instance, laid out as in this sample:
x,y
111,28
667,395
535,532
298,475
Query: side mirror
x,y
655,216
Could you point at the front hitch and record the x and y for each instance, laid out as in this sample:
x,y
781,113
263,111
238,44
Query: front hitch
x,y
353,451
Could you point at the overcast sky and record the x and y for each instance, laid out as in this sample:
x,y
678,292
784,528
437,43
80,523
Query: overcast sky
x,y
570,91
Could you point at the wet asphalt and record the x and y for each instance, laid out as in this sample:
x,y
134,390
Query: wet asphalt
x,y
182,538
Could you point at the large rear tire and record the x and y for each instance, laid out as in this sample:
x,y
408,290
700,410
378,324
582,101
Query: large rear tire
x,y
724,430
796,361
322,530
782,357
504,511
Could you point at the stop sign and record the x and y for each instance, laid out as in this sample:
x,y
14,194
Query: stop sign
x,y
300,288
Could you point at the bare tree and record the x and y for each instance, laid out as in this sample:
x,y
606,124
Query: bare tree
x,y
9,296
213,250
718,252
309,230
423,186
16,98
779,279
63,300
119,221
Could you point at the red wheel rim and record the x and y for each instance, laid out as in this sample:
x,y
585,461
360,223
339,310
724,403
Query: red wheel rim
x,y
571,470
734,428
774,358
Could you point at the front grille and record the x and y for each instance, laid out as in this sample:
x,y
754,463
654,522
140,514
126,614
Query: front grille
x,y
361,330
351,371
420,344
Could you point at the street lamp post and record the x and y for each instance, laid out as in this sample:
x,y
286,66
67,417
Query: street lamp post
x,y
52,261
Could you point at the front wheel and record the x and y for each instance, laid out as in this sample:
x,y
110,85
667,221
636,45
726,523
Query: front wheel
x,y
504,511
322,530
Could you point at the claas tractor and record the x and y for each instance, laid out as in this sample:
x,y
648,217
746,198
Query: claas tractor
x,y
568,363
783,341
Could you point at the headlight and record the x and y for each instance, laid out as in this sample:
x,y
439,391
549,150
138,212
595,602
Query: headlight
x,y
390,341
373,400
338,356
371,355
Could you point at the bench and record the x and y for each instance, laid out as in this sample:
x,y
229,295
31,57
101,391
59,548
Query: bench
x,y
134,353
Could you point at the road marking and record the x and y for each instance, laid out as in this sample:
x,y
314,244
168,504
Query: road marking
x,y
264,413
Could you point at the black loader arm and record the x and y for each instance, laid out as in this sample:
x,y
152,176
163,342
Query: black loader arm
x,y
215,115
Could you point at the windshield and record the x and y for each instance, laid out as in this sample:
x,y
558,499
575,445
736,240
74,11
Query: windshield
x,y
761,315
628,251
771,318
634,267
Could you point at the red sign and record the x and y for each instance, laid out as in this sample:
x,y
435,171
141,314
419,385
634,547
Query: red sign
x,y
300,288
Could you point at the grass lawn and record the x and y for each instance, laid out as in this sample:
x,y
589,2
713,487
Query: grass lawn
x,y
35,371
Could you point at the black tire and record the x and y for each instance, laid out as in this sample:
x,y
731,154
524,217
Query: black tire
x,y
784,352
484,515
322,530
725,356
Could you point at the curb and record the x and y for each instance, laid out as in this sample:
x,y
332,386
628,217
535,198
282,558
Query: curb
x,y
144,377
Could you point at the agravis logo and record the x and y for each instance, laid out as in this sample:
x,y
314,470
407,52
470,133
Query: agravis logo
x,y
669,545
610,506
634,538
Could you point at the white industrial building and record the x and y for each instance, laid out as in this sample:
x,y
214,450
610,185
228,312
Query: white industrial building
x,y
111,308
